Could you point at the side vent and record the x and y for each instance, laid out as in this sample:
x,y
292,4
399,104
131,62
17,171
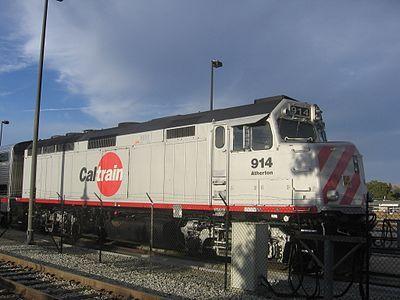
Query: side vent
x,y
181,132
49,149
102,142
66,147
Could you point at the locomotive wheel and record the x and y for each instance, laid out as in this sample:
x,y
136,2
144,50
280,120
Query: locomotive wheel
x,y
193,246
207,249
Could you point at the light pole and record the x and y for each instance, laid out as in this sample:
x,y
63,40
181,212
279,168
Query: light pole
x,y
3,122
214,65
32,193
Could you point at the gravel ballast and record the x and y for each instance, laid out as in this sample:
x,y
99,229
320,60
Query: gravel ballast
x,y
170,278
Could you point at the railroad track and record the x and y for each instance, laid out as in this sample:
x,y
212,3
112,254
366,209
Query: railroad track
x,y
7,293
33,284
25,279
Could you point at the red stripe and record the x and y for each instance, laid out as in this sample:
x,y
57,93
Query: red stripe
x,y
3,200
351,190
323,156
341,166
205,207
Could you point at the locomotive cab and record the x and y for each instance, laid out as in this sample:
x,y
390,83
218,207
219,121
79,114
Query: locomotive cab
x,y
284,161
329,173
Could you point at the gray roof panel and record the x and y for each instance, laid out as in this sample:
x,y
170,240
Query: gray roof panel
x,y
260,106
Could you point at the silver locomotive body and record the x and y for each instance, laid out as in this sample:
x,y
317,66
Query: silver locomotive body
x,y
267,160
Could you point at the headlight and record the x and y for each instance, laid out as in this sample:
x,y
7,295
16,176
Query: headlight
x,y
332,195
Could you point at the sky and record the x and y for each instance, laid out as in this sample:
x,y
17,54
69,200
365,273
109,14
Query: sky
x,y
121,60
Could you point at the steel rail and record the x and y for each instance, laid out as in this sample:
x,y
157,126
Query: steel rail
x,y
24,291
95,284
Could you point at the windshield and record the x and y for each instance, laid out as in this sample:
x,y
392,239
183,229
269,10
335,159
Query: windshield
x,y
296,130
261,137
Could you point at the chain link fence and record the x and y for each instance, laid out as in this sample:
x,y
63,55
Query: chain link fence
x,y
297,262
290,258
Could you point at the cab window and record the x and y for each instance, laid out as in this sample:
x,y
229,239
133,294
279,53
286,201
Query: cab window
x,y
256,136
238,138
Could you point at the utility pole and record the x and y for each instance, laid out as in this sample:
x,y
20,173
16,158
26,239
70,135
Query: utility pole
x,y
32,194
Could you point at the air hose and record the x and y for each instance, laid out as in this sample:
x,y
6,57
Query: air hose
x,y
297,256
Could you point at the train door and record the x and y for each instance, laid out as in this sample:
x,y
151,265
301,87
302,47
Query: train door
x,y
219,170
257,170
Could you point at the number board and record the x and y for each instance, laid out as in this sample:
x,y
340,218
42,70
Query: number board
x,y
299,111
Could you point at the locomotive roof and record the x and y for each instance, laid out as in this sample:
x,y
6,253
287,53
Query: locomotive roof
x,y
260,106
17,148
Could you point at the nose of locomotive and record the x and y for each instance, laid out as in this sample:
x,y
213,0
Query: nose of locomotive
x,y
341,173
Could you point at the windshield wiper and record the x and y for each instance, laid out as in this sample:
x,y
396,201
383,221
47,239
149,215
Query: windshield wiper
x,y
301,139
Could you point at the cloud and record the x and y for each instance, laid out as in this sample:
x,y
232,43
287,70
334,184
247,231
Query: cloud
x,y
11,56
5,68
79,58
60,109
123,55
9,92
23,132
3,94
135,60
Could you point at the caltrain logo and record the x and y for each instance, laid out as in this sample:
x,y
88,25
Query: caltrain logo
x,y
108,174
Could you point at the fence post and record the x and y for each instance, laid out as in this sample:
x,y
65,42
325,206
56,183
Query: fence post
x,y
61,197
151,222
100,228
227,222
328,268
367,247
398,233
62,224
151,229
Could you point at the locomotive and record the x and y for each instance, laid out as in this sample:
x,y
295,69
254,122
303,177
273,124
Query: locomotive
x,y
266,161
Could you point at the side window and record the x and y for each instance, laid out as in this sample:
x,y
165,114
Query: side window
x,y
219,137
237,138
255,137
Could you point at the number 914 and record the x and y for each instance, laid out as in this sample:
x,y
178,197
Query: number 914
x,y
262,163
